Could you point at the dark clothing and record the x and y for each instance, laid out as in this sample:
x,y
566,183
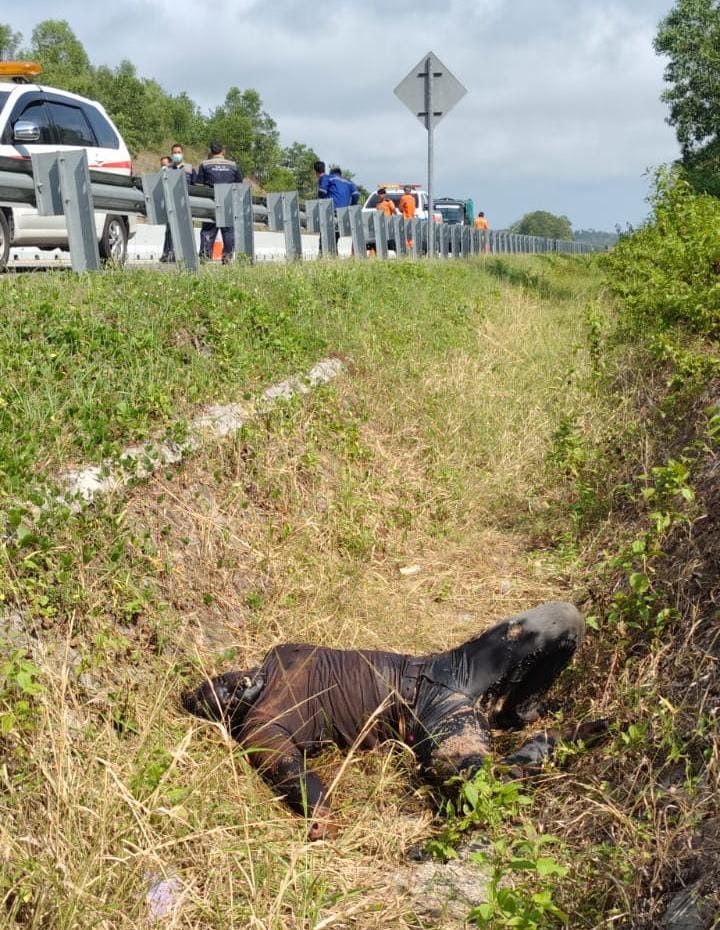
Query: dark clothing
x,y
217,170
168,253
190,173
208,235
443,705
342,191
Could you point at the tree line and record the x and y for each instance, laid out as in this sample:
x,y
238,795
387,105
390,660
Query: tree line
x,y
149,117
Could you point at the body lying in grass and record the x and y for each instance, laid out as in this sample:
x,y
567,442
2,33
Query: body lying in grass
x,y
443,706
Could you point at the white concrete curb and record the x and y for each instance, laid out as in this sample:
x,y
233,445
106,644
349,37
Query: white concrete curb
x,y
84,485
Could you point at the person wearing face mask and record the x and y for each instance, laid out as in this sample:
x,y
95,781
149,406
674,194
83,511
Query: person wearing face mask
x,y
177,163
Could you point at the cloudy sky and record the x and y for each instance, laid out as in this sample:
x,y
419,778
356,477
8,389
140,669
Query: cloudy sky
x,y
562,111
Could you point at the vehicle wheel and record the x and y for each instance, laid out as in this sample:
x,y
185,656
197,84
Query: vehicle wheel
x,y
4,241
114,240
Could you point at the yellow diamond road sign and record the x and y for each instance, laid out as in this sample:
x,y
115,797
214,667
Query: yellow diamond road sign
x,y
446,90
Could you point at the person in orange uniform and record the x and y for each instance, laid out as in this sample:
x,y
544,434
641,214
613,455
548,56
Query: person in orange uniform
x,y
386,206
482,223
407,203
384,203
407,208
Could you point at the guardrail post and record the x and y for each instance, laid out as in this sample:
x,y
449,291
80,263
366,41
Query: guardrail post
x,y
326,218
368,225
233,207
397,232
291,223
284,214
381,234
321,219
62,186
416,227
167,204
275,212
444,239
343,220
456,241
357,231
467,237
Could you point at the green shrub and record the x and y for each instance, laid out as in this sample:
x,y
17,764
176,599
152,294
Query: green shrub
x,y
667,273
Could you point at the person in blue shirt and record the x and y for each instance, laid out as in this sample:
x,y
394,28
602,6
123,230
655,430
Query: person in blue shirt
x,y
217,169
342,191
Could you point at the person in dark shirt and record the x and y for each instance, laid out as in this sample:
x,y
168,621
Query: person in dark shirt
x,y
217,169
443,706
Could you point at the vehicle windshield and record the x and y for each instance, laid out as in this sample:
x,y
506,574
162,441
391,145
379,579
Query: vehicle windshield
x,y
451,213
395,197
4,94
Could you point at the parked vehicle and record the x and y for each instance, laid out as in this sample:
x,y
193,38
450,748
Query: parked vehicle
x,y
394,193
35,118
455,211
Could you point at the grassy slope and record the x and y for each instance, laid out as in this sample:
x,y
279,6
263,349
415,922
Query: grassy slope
x,y
429,453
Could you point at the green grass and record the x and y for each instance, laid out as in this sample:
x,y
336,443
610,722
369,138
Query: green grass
x,y
429,453
91,363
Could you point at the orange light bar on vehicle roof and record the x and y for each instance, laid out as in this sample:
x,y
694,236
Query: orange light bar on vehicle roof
x,y
415,187
24,69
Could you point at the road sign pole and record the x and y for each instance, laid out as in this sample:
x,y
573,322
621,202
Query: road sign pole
x,y
429,91
430,122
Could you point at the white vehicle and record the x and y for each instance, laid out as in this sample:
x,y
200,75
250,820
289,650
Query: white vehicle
x,y
395,192
34,118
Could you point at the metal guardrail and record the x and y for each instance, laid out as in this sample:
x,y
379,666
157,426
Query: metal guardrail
x,y
61,183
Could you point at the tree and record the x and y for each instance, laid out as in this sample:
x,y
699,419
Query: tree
x,y
248,133
542,223
186,123
9,42
136,105
62,55
298,160
690,36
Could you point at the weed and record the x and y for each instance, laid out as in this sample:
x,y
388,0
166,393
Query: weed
x,y
484,801
19,686
530,904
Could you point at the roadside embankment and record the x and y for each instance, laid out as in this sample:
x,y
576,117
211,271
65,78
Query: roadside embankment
x,y
461,468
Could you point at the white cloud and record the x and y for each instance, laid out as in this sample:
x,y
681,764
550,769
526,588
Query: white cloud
x,y
562,105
